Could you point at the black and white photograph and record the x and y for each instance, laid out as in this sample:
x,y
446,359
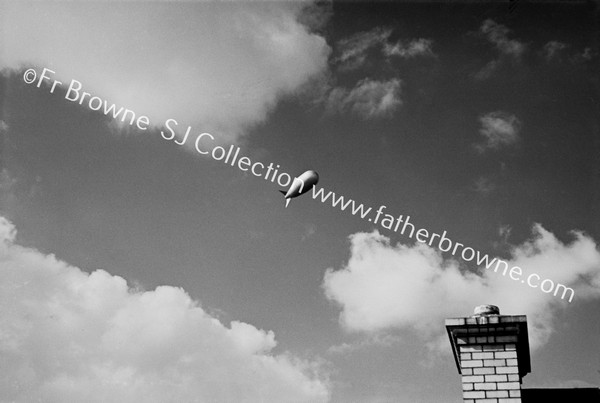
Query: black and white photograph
x,y
299,201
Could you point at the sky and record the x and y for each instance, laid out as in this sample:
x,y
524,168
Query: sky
x,y
136,268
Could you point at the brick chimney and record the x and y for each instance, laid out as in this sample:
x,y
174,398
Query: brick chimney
x,y
492,354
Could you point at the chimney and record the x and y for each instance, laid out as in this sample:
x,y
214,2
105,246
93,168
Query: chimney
x,y
491,353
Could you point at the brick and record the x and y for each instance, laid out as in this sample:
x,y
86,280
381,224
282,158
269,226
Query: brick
x,y
482,356
512,362
496,378
515,393
467,371
481,339
465,356
474,395
467,386
509,400
505,354
496,393
484,371
469,349
486,400
471,363
507,370
495,363
472,378
485,386
514,377
508,385
472,340
508,347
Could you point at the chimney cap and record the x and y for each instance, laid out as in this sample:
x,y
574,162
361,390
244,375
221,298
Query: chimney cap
x,y
485,310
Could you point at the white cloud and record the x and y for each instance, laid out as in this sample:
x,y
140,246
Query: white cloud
x,y
498,35
498,129
375,340
369,98
487,71
552,49
584,56
353,50
509,49
385,286
484,185
218,66
66,335
416,47
309,231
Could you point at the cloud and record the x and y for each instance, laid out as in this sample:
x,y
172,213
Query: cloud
x,y
498,35
484,185
509,49
72,336
375,340
487,71
552,49
218,66
369,98
385,286
584,56
309,231
498,129
353,51
416,47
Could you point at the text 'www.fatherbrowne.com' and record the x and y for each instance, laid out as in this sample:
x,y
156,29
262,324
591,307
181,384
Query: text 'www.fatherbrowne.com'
x,y
402,225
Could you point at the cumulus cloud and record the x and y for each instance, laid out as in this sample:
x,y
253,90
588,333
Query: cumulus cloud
x,y
375,340
354,50
508,49
552,49
219,66
498,129
70,336
385,286
498,35
416,47
487,71
484,185
368,99
584,56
